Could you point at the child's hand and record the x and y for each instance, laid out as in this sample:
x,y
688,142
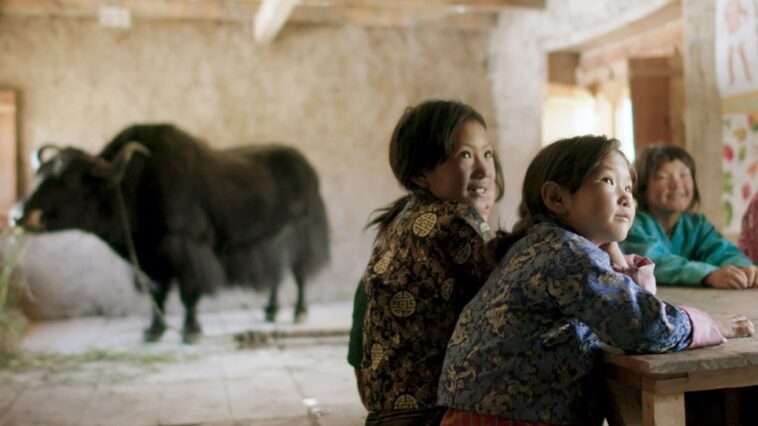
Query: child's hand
x,y
732,326
752,275
615,253
728,277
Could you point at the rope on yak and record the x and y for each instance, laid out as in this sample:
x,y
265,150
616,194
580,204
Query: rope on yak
x,y
135,262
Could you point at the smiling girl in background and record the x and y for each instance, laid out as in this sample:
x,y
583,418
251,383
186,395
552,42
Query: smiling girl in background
x,y
685,247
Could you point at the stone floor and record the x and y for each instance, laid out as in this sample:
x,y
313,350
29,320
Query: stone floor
x,y
96,371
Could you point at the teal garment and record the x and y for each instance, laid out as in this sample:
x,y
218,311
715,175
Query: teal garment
x,y
355,344
694,250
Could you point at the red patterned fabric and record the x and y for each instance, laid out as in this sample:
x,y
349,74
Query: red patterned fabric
x,y
749,236
455,417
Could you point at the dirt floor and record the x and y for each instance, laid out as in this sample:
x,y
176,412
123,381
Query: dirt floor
x,y
96,371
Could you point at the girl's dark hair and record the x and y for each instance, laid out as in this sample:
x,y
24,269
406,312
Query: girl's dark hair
x,y
567,162
423,138
650,159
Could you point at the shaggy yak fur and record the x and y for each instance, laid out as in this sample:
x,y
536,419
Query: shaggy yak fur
x,y
199,217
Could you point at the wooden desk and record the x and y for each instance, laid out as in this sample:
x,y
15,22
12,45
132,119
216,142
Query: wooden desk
x,y
649,389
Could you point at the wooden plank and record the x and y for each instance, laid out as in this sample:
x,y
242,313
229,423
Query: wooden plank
x,y
660,41
156,9
722,379
433,18
659,365
735,353
622,374
8,154
443,17
461,5
220,8
664,386
625,403
649,92
561,67
714,301
696,381
662,410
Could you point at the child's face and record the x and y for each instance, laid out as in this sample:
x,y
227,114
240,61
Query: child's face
x,y
469,173
670,189
601,210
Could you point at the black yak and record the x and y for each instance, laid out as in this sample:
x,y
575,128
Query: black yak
x,y
197,216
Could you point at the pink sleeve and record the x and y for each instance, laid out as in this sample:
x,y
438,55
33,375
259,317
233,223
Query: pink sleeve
x,y
705,332
641,270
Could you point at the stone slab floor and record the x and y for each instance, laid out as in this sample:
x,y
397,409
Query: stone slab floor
x,y
96,371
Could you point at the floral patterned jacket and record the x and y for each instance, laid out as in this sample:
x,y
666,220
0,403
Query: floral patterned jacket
x,y
425,266
526,347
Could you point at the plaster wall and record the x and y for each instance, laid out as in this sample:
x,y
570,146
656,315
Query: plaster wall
x,y
333,92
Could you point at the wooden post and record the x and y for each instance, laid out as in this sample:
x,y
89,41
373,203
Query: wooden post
x,y
657,100
662,410
8,154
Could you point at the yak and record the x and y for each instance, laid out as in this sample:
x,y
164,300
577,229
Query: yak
x,y
186,213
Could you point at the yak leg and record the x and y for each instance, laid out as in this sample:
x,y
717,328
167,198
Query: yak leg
x,y
158,292
272,307
192,329
198,272
301,311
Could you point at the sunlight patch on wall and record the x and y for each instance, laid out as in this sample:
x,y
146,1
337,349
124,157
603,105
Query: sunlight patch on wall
x,y
571,111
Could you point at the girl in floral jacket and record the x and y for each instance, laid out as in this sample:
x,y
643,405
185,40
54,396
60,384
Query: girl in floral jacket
x,y
526,348
428,258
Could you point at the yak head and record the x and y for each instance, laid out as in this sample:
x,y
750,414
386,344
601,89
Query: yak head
x,y
74,190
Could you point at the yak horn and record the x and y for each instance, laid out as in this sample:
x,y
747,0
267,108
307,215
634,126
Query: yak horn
x,y
121,162
40,152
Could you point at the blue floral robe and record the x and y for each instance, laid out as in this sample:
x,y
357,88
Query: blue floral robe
x,y
527,345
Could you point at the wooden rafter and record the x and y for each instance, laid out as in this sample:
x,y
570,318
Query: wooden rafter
x,y
270,18
449,14
460,5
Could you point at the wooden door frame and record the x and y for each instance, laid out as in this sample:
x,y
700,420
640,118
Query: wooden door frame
x,y
9,182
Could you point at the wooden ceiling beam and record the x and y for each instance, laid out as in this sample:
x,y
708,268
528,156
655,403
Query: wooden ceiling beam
x,y
472,15
427,18
661,41
176,8
270,18
160,9
461,6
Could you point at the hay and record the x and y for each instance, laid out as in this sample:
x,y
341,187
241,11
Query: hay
x,y
13,361
12,287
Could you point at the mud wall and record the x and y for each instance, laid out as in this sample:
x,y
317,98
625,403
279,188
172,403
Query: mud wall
x,y
333,92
